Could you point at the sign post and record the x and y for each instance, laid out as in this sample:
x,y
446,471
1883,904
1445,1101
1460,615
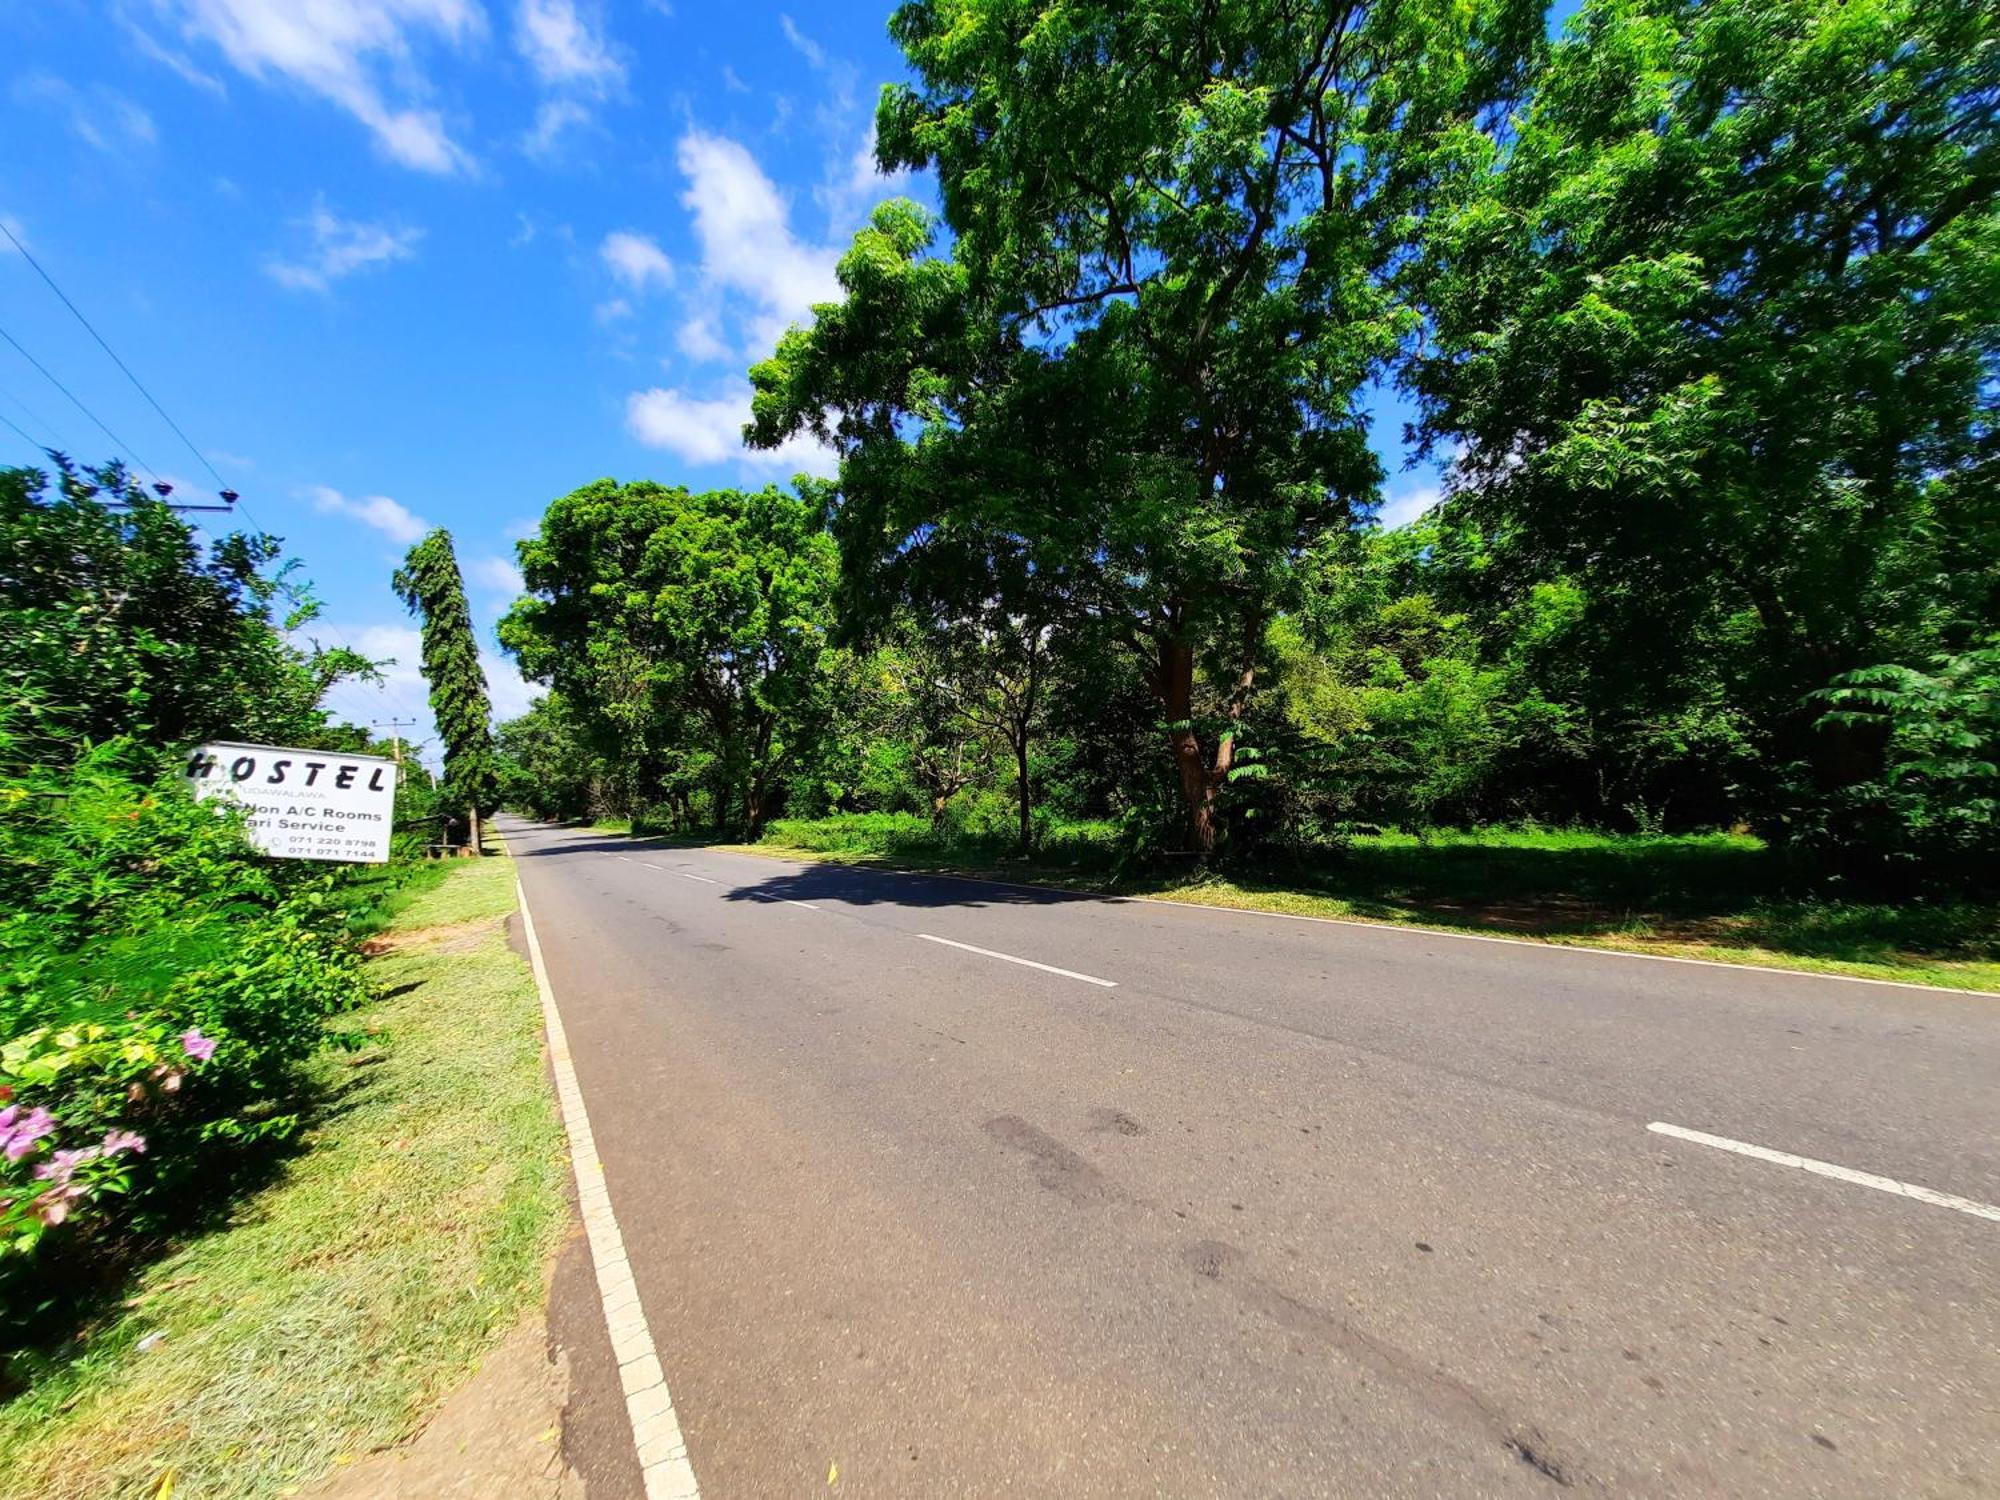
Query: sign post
x,y
304,804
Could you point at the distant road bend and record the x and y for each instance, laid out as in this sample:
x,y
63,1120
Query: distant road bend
x,y
933,1187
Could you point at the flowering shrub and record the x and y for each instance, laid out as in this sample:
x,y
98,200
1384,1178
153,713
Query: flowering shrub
x,y
160,983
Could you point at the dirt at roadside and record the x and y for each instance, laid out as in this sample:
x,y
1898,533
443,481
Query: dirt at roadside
x,y
499,1434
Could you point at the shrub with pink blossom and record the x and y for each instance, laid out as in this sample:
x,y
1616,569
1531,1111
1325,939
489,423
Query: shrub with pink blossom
x,y
160,985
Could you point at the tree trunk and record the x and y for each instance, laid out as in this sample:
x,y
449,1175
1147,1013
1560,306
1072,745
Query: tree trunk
x,y
1022,792
1198,788
472,817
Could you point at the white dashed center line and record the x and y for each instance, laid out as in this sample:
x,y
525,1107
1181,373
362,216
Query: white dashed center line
x,y
1971,1206
1026,963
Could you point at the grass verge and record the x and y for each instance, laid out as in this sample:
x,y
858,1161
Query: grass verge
x,y
343,1301
1707,896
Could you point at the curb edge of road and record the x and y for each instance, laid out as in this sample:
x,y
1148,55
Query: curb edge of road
x,y
1409,927
664,1466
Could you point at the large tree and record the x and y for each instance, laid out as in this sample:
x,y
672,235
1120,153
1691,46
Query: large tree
x,y
116,621
431,587
1145,355
1715,332
685,631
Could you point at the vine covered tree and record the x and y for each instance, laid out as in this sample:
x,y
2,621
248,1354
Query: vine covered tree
x,y
431,587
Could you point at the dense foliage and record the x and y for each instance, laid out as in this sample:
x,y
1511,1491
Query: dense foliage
x,y
160,981
683,634
115,621
1712,332
1699,304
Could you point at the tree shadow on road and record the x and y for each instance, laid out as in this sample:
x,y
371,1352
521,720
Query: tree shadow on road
x,y
857,886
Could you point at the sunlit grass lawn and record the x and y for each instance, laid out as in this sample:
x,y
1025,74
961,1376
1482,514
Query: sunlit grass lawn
x,y
1714,895
344,1299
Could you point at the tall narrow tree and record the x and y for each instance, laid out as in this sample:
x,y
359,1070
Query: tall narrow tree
x,y
430,584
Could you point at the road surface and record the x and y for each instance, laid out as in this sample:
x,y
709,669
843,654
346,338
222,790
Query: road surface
x,y
936,1187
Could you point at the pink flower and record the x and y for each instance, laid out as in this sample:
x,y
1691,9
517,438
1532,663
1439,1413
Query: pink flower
x,y
200,1048
18,1133
53,1206
62,1166
124,1140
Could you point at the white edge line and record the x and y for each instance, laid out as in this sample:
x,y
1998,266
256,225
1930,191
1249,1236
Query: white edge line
x,y
1970,1206
664,1467
1585,949
1026,963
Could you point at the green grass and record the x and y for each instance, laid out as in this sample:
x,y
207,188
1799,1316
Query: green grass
x,y
375,894
1716,896
341,1302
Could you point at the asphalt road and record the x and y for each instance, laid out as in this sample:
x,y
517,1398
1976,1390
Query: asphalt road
x,y
1215,1203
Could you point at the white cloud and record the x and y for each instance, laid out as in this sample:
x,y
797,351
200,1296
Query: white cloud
x,y
698,340
565,46
566,49
521,530
853,187
360,55
101,118
804,45
616,310
150,46
393,519
1408,503
732,81
747,245
553,120
403,694
635,260
340,247
506,690
709,430
497,574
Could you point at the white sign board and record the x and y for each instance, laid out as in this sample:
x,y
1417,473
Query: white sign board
x,y
304,804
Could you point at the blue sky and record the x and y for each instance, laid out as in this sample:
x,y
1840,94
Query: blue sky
x,y
391,263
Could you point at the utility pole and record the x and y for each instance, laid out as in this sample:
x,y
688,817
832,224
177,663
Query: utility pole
x,y
395,728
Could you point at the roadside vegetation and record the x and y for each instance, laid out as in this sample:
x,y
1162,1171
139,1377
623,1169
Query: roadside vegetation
x,y
329,1309
1694,311
1686,895
262,1195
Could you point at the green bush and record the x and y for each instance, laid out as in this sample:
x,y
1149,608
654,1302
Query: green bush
x,y
1931,815
160,983
983,837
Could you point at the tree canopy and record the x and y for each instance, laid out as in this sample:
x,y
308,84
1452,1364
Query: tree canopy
x,y
686,631
1699,307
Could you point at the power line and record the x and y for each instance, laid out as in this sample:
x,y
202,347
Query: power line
x,y
116,441
24,437
37,418
138,384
